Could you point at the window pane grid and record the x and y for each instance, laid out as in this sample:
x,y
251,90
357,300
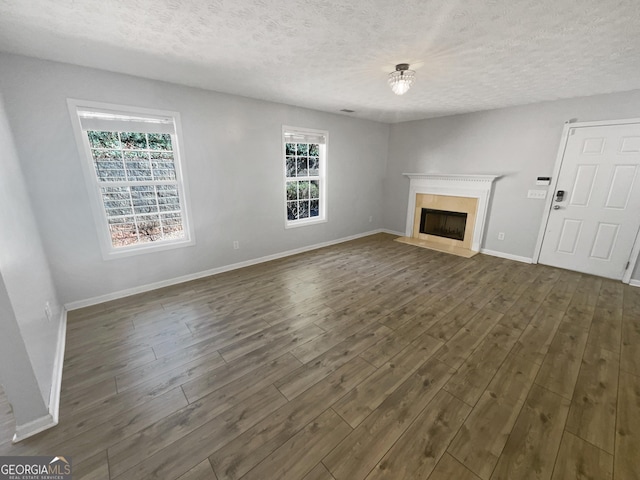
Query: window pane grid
x,y
302,171
142,214
131,156
138,184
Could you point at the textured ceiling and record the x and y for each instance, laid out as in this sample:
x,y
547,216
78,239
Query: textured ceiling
x,y
333,54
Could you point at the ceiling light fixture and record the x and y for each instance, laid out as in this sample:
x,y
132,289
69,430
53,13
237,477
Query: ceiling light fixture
x,y
401,80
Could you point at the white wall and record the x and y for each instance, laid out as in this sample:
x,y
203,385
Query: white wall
x,y
520,143
26,286
233,163
16,373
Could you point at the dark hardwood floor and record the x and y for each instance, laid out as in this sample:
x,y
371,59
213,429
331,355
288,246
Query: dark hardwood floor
x,y
370,360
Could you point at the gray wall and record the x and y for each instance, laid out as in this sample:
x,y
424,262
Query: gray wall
x,y
26,286
520,143
233,165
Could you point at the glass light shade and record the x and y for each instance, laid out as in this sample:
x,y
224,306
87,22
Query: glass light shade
x,y
400,81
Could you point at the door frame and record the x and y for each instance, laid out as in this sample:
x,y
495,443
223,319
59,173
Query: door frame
x,y
635,251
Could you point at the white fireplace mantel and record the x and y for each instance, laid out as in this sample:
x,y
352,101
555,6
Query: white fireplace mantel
x,y
458,185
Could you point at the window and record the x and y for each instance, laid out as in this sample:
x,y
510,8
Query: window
x,y
133,169
305,159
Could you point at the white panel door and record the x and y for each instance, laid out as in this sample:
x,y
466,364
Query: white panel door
x,y
592,228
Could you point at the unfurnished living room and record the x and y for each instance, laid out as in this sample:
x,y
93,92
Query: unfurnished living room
x,y
320,240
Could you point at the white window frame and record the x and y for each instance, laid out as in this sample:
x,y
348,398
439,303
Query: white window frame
x,y
93,184
322,177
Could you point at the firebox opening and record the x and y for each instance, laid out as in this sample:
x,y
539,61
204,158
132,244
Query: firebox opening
x,y
443,223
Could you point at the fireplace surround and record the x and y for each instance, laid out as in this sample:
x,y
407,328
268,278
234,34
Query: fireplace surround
x,y
460,194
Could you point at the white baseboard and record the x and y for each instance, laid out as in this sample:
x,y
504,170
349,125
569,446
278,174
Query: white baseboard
x,y
634,283
50,419
33,427
56,383
508,256
392,232
214,271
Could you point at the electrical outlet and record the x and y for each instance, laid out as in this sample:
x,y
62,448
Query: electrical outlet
x,y
47,311
236,244
501,236
539,194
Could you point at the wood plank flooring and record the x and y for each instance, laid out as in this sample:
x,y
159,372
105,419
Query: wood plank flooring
x,y
365,360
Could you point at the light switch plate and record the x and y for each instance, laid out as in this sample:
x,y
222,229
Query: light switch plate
x,y
539,194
